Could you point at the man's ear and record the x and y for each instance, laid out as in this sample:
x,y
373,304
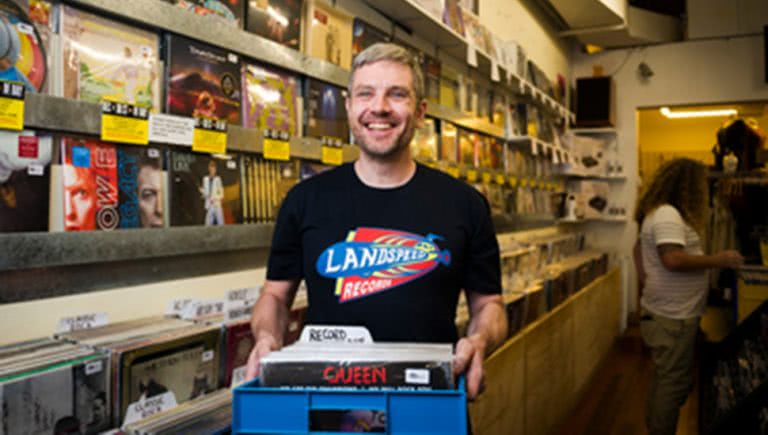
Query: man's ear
x,y
421,112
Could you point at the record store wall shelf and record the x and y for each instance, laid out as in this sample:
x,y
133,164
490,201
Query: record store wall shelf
x,y
43,265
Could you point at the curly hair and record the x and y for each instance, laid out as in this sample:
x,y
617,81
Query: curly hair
x,y
681,183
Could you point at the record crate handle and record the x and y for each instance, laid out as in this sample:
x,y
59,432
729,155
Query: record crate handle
x,y
262,410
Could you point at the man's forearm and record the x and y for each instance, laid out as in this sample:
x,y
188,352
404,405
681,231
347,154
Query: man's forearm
x,y
490,324
269,317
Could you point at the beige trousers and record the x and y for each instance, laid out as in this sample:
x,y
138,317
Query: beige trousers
x,y
672,343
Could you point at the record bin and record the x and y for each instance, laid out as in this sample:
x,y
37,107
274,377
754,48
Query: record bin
x,y
260,410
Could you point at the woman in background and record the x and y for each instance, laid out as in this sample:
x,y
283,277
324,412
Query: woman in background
x,y
672,213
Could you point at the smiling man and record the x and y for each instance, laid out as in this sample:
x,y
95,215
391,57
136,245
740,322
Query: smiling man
x,y
384,242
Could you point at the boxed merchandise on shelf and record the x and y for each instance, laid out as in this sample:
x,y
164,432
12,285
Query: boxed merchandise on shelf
x,y
328,33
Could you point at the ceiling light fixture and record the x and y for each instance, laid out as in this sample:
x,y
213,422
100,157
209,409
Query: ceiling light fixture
x,y
697,113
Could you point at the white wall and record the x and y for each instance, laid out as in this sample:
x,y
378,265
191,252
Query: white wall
x,y
516,21
713,71
708,18
33,319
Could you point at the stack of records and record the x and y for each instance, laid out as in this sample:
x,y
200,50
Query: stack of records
x,y
48,386
156,356
210,414
373,366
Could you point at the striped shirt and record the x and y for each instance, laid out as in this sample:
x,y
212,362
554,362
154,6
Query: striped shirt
x,y
678,295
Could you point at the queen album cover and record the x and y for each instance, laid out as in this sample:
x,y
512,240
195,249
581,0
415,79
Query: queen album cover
x,y
230,11
90,185
278,20
271,99
204,189
203,81
328,34
326,114
25,162
24,58
104,59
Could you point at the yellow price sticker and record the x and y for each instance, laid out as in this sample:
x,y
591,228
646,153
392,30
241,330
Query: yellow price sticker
x,y
453,171
500,179
524,182
332,155
487,177
11,105
513,181
471,175
534,183
208,141
275,149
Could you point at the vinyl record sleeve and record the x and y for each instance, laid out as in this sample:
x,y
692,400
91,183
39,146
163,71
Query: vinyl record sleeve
x,y
452,16
328,34
449,140
205,189
278,20
102,59
237,348
270,99
141,190
364,35
25,160
89,180
424,143
186,366
25,50
203,81
326,114
230,11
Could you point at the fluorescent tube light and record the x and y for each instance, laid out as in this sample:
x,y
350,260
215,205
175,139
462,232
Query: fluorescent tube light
x,y
697,113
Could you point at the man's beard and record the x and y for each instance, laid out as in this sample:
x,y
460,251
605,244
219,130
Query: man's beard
x,y
401,143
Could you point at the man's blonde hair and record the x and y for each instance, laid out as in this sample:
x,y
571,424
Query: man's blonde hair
x,y
394,53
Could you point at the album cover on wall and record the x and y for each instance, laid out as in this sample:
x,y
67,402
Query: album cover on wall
x,y
270,99
104,59
230,11
90,184
328,34
431,67
24,58
142,187
449,142
364,35
326,114
450,89
203,81
204,189
25,162
424,143
468,144
452,16
278,20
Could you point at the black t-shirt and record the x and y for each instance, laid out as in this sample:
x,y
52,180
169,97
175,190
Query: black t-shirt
x,y
392,260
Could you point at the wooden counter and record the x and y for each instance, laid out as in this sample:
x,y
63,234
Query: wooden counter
x,y
536,378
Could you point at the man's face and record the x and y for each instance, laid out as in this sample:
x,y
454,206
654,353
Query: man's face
x,y
212,169
150,197
382,109
79,200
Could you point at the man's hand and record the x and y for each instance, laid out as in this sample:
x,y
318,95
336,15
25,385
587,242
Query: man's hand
x,y
263,346
470,353
730,259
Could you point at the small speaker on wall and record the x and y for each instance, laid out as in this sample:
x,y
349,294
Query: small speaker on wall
x,y
594,102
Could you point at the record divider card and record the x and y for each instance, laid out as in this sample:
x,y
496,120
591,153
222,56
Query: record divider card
x,y
11,105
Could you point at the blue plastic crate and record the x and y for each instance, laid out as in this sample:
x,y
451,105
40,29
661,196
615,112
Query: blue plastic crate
x,y
260,410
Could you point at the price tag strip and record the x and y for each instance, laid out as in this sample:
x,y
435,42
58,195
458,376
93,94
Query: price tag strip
x,y
124,123
332,155
210,136
11,105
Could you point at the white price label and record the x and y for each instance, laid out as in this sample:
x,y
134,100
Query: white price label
x,y
203,309
83,321
153,153
207,355
176,307
93,367
148,407
170,129
335,334
231,164
471,55
495,76
35,170
238,376
417,376
534,147
232,57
